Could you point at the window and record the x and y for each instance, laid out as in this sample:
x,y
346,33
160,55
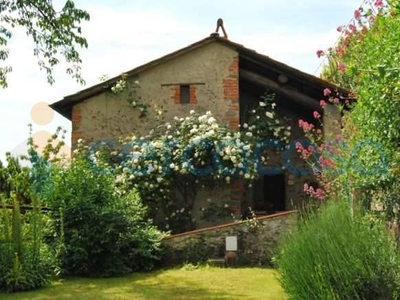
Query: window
x,y
184,93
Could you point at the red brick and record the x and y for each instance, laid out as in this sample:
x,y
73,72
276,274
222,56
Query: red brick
x,y
234,67
237,184
233,122
176,94
76,117
235,107
193,97
75,136
235,197
231,89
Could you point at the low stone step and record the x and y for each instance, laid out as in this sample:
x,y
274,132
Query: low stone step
x,y
217,262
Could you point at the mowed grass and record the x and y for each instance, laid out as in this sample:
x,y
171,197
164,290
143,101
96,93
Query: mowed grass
x,y
201,283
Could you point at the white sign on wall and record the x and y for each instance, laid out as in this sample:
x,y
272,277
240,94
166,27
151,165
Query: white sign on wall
x,y
231,243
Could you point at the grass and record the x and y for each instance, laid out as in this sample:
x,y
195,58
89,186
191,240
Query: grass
x,y
201,283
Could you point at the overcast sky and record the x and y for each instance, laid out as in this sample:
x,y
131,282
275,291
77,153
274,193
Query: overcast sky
x,y
125,34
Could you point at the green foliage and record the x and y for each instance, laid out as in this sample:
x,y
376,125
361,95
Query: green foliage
x,y
100,230
53,33
14,177
332,255
25,261
366,61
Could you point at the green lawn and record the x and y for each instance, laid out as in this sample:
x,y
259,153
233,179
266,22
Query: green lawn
x,y
202,283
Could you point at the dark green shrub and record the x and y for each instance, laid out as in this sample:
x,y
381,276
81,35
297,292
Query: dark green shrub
x,y
332,255
100,230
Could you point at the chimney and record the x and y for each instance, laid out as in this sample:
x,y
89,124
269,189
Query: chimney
x,y
220,25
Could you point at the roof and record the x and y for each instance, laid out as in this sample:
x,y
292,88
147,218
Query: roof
x,y
64,106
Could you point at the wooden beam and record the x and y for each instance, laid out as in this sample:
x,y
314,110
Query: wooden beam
x,y
282,90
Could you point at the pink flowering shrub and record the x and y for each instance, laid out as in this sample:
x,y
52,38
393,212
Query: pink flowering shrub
x,y
327,155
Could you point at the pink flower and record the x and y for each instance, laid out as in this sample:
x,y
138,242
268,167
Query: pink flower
x,y
352,27
320,53
340,50
319,193
342,66
319,131
327,92
357,14
305,187
336,100
299,145
316,115
378,3
305,125
305,154
339,28
322,103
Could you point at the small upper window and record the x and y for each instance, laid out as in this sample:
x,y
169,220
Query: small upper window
x,y
185,93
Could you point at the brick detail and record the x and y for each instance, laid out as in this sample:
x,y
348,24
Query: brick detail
x,y
193,97
237,195
76,133
230,85
76,118
234,67
75,136
231,88
234,107
232,123
176,94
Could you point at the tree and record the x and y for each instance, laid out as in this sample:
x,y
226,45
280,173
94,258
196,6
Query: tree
x,y
54,33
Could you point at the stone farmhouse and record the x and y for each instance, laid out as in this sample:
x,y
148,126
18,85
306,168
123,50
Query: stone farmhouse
x,y
218,75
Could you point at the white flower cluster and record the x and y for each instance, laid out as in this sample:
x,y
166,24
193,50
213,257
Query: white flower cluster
x,y
265,123
195,145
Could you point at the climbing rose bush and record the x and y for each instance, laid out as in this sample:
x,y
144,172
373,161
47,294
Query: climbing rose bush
x,y
187,152
170,164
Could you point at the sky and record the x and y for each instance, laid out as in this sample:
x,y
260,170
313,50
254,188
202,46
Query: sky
x,y
126,34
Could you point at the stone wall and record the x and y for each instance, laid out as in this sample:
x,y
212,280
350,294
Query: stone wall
x,y
257,241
